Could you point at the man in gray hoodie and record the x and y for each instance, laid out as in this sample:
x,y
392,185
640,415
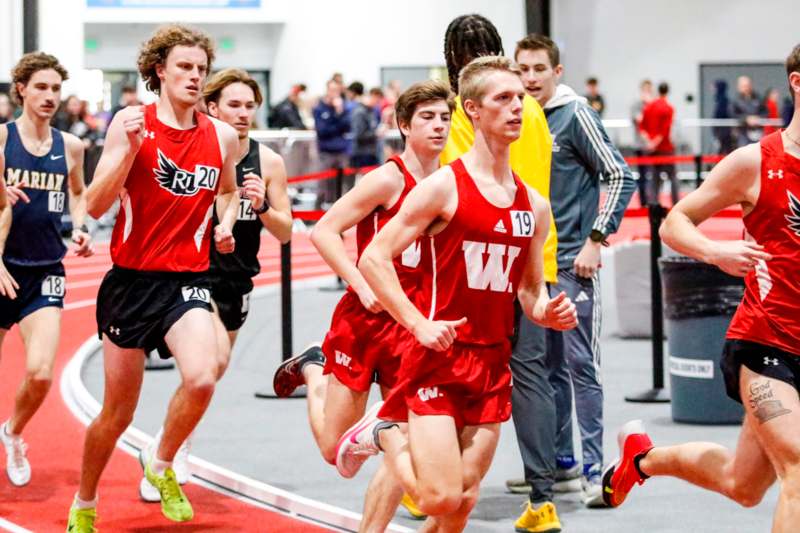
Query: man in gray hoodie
x,y
582,156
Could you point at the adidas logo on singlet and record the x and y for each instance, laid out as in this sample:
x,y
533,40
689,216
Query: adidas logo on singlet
x,y
181,182
500,227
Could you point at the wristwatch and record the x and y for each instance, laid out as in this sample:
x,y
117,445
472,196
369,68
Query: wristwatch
x,y
84,228
263,209
597,236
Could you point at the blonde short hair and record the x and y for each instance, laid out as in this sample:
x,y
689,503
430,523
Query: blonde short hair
x,y
472,78
214,86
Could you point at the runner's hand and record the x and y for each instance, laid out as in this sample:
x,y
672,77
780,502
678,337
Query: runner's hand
x,y
8,284
255,190
15,194
560,313
83,242
737,258
438,335
368,299
223,239
133,123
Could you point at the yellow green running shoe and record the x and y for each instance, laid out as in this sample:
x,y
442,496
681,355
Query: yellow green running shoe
x,y
81,520
174,503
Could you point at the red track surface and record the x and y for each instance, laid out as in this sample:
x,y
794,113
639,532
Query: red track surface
x,y
56,437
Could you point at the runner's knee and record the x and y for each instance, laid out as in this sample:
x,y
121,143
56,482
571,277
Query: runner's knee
x,y
438,501
40,377
200,383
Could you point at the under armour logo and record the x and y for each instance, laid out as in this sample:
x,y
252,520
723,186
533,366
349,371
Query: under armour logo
x,y
773,361
772,174
149,134
113,330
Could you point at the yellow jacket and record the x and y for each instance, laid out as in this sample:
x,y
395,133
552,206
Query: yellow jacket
x,y
530,160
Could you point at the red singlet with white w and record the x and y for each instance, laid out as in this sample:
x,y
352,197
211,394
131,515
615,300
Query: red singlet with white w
x,y
473,267
770,310
165,214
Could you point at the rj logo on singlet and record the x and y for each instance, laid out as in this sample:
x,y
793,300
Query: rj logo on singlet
x,y
493,274
181,182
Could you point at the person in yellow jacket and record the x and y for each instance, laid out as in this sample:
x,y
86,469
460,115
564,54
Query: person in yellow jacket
x,y
533,406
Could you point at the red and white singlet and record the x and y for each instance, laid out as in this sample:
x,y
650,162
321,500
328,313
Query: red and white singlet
x,y
473,267
164,218
770,310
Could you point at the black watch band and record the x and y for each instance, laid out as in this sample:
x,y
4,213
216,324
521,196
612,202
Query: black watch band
x,y
263,209
597,236
84,228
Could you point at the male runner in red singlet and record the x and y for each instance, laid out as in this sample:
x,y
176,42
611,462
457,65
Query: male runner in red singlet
x,y
167,162
362,346
233,97
486,231
761,359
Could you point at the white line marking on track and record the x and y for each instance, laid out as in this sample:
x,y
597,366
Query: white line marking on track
x,y
11,526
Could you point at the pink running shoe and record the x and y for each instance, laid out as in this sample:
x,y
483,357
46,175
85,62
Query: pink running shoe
x,y
358,443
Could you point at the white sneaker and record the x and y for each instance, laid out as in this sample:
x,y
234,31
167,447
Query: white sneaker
x,y
180,464
17,466
147,492
592,486
358,443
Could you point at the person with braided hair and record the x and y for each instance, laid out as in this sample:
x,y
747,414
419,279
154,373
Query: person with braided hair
x,y
532,398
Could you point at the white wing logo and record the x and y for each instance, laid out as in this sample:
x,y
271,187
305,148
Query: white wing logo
x,y
794,218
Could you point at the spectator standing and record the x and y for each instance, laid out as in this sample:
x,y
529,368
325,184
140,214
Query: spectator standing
x,y
748,109
722,111
128,96
645,97
286,114
656,128
332,123
363,127
74,118
6,109
594,97
772,108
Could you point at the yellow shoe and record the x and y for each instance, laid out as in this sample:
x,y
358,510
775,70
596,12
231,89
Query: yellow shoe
x,y
412,508
541,520
81,520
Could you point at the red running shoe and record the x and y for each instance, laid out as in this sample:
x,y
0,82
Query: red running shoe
x,y
621,475
289,374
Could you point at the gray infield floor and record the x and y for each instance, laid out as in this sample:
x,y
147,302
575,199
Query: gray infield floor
x,y
269,440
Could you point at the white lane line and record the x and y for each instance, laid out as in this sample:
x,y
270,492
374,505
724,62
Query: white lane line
x,y
11,526
85,407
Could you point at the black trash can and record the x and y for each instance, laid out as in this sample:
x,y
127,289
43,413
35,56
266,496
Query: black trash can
x,y
699,302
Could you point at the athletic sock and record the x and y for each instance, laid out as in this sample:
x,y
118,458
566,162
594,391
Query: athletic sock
x,y
84,504
158,466
6,430
636,464
379,427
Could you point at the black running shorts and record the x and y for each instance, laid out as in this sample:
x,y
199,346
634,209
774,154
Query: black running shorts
x,y
232,298
762,359
135,309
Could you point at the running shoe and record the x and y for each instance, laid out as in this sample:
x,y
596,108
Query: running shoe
x,y
180,464
358,443
81,520
568,474
592,485
542,519
289,374
409,505
621,475
174,503
17,466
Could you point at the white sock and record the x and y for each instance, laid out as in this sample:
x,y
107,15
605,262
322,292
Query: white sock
x,y
7,429
158,466
83,504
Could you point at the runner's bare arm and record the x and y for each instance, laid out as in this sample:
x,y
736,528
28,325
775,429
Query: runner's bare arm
x,y
278,219
559,312
77,195
434,199
123,140
228,193
735,180
375,189
7,282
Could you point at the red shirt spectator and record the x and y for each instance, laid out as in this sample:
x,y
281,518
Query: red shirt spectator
x,y
656,123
